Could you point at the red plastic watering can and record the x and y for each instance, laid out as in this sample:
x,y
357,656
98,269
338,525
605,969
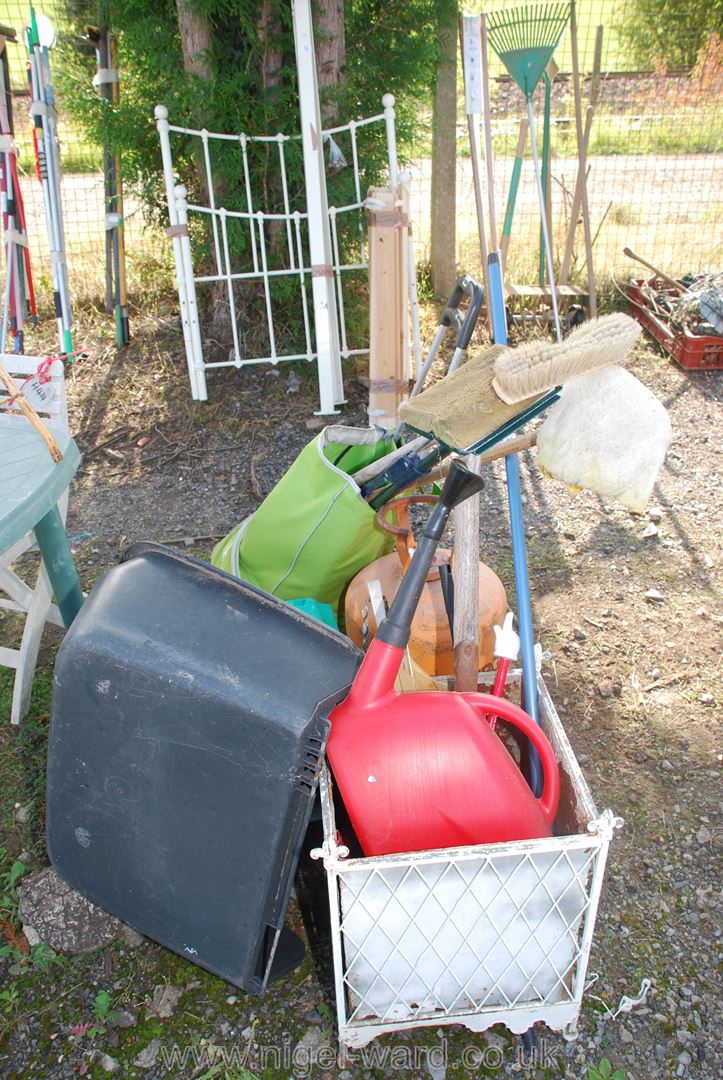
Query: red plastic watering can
x,y
420,771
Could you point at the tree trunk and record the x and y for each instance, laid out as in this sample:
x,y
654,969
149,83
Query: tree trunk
x,y
196,40
444,153
330,52
197,49
269,29
273,60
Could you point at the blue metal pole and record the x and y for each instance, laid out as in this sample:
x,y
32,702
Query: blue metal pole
x,y
519,550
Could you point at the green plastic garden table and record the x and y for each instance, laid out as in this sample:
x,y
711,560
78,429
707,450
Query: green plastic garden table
x,y
31,484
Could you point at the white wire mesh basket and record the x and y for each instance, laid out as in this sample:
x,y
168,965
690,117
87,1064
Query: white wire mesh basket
x,y
497,933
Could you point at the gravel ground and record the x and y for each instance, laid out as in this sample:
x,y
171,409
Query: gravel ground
x,y
637,683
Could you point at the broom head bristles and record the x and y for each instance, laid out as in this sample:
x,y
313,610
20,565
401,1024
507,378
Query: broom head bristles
x,y
537,366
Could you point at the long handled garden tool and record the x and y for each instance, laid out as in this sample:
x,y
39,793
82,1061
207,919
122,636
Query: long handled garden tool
x,y
512,474
106,80
581,179
514,188
658,273
476,67
524,39
48,168
582,159
549,76
472,71
19,279
467,516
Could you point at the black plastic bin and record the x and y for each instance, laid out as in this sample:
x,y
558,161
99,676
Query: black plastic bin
x,y
188,727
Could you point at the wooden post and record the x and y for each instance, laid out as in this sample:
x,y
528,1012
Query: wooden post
x,y
388,317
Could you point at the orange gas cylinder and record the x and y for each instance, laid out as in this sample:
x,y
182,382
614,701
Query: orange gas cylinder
x,y
430,642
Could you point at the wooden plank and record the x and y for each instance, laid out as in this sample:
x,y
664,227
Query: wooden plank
x,y
388,333
404,252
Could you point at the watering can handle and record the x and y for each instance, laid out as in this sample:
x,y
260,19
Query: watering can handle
x,y
507,710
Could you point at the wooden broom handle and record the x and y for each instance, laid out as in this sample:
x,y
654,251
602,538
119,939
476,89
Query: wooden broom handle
x,y
27,410
510,446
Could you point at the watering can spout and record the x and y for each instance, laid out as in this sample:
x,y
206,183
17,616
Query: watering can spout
x,y
375,679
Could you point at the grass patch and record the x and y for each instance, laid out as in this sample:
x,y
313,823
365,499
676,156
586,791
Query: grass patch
x,y
623,214
22,766
77,155
698,132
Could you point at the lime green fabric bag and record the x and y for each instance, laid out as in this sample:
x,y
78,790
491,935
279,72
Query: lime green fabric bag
x,y
313,532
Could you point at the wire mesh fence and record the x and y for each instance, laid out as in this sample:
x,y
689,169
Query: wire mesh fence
x,y
655,170
655,162
82,184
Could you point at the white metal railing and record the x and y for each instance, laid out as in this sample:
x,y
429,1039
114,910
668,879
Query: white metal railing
x,y
291,258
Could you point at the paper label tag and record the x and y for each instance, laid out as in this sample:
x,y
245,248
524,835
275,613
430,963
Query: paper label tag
x,y
40,395
472,60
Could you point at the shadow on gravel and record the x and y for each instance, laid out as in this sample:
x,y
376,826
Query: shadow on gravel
x,y
687,542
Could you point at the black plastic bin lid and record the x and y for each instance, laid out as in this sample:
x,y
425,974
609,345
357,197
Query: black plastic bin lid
x,y
188,726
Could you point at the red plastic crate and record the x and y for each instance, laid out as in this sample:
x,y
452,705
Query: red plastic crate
x,y
696,352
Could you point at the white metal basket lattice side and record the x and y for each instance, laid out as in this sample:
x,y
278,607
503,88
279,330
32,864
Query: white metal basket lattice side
x,y
496,933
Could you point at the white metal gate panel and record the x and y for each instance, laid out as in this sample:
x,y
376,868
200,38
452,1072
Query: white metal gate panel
x,y
276,243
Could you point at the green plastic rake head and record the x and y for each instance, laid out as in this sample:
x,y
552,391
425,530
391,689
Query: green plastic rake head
x,y
525,38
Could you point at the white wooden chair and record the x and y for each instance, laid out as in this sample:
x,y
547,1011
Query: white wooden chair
x,y
30,594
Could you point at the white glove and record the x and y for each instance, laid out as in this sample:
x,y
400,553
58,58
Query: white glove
x,y
507,640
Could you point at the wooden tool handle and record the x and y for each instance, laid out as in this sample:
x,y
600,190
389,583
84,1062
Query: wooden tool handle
x,y
501,450
658,273
509,446
582,158
27,410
